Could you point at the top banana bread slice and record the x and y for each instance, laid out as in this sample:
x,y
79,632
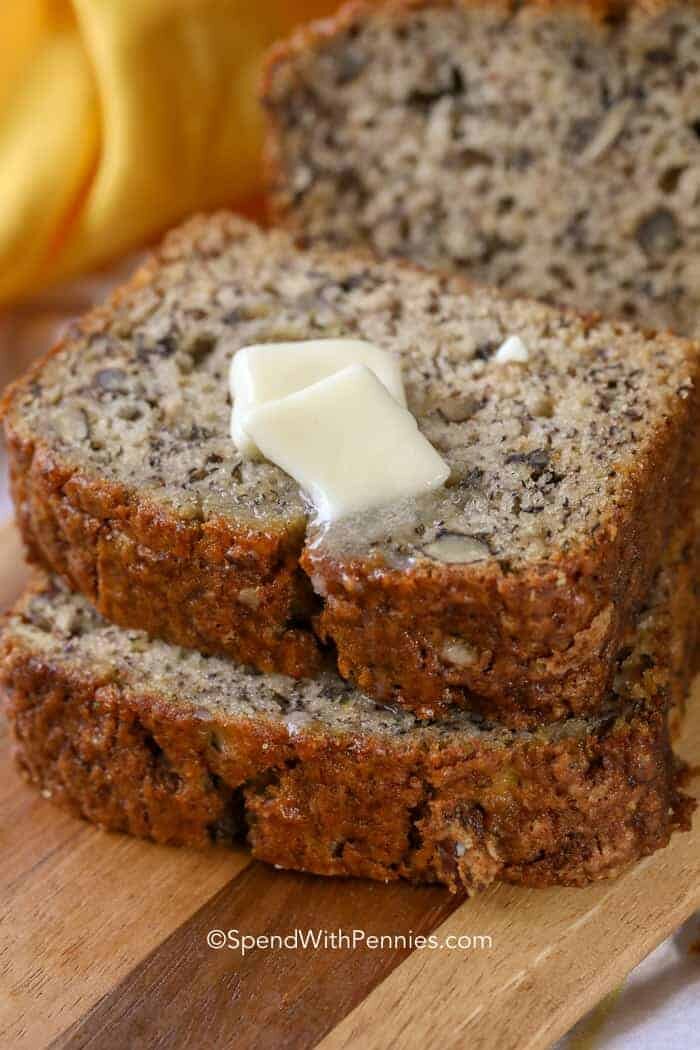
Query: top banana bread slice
x,y
509,590
548,147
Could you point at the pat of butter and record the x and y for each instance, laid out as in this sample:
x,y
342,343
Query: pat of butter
x,y
348,444
513,349
269,371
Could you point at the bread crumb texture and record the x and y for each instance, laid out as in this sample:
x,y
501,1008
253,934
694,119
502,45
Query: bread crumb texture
x,y
551,148
507,591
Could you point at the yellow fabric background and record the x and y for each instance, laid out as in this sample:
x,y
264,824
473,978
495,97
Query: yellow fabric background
x,y
118,117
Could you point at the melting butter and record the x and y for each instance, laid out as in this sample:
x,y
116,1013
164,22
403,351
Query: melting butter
x,y
270,371
348,443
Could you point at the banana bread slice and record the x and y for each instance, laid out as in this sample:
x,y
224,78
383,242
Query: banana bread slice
x,y
508,590
548,147
166,743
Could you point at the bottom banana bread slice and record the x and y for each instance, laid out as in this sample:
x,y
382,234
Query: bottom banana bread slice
x,y
147,738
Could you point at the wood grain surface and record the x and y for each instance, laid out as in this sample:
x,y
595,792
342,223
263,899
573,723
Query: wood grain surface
x,y
286,998
103,938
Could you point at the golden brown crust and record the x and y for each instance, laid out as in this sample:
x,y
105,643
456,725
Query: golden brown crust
x,y
539,812
142,567
544,638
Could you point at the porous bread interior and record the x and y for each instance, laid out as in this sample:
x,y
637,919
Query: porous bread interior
x,y
539,454
63,629
531,145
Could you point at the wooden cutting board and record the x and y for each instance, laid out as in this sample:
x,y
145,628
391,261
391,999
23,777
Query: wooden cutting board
x,y
103,940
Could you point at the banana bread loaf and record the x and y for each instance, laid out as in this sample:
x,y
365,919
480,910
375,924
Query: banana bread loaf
x,y
548,147
508,591
165,743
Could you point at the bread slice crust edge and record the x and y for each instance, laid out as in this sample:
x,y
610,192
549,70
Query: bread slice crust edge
x,y
459,808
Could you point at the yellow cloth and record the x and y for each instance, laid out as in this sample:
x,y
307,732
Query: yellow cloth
x,y
118,117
